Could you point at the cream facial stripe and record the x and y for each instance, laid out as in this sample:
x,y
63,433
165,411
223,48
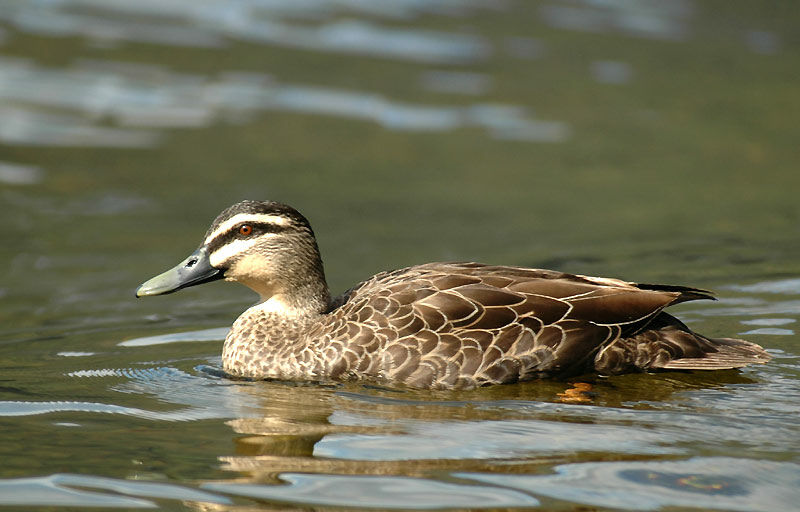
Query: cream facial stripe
x,y
247,217
224,253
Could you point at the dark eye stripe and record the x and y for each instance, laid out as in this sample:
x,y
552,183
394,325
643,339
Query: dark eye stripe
x,y
259,228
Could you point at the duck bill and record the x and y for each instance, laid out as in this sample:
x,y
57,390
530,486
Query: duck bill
x,y
196,269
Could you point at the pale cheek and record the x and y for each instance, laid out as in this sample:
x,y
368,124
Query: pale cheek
x,y
227,252
253,272
252,267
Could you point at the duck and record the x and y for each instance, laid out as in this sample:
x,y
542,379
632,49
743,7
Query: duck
x,y
447,325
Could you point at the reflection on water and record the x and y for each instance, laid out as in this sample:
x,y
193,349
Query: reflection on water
x,y
15,174
211,23
611,72
143,96
785,286
711,483
379,492
763,42
69,491
178,337
458,82
152,97
489,439
201,401
648,18
349,445
28,127
149,96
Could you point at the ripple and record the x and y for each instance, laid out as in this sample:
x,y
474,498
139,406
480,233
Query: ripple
x,y
392,492
458,82
15,408
212,23
492,439
713,418
24,126
769,321
98,372
749,307
365,38
206,396
611,72
770,331
785,286
152,97
203,397
650,19
57,491
525,48
16,174
702,482
763,42
178,337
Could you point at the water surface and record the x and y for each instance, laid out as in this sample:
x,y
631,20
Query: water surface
x,y
650,141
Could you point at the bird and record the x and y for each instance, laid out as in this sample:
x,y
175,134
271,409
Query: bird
x,y
446,326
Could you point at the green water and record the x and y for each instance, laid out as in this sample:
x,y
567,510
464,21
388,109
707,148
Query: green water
x,y
653,142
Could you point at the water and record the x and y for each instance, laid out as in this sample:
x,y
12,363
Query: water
x,y
651,141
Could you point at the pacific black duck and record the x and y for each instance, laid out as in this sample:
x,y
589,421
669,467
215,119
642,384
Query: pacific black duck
x,y
437,325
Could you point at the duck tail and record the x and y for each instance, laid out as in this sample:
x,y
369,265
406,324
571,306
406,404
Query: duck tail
x,y
726,353
686,293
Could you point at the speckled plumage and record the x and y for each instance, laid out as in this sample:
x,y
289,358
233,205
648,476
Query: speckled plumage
x,y
452,325
461,325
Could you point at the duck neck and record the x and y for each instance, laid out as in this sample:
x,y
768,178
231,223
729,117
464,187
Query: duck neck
x,y
293,287
297,299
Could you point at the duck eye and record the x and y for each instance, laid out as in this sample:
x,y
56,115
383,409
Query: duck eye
x,y
245,230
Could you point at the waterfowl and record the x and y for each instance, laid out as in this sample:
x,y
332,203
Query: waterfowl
x,y
437,325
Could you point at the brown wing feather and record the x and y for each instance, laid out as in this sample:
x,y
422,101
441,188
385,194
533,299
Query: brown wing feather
x,y
461,325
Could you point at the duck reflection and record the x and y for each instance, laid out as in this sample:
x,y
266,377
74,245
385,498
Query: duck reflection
x,y
352,429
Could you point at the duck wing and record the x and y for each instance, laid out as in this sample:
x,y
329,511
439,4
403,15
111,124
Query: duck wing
x,y
457,325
